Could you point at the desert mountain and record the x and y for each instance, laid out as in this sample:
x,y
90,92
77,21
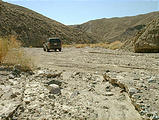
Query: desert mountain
x,y
147,40
33,28
117,29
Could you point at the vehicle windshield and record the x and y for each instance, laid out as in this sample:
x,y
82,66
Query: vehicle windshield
x,y
54,40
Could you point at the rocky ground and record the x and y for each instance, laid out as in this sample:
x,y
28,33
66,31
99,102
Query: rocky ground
x,y
84,83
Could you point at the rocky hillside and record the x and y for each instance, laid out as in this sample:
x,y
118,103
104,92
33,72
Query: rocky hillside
x,y
147,40
32,28
121,29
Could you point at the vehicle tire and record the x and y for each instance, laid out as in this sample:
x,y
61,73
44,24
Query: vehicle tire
x,y
44,49
47,50
60,49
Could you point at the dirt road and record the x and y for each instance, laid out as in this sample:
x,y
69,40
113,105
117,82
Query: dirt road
x,y
85,89
95,60
128,91
83,70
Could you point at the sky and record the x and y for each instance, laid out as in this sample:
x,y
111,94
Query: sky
x,y
71,12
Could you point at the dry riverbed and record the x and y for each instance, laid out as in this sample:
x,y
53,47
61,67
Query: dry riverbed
x,y
83,83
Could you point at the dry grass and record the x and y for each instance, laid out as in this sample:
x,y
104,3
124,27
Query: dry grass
x,y
76,45
81,45
66,46
11,53
3,49
114,45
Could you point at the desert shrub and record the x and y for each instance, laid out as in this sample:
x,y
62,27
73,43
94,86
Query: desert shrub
x,y
67,46
3,48
113,45
81,45
11,53
102,45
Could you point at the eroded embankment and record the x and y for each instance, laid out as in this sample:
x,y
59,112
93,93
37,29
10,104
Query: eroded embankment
x,y
142,90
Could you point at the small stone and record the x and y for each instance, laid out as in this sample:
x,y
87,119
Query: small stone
x,y
149,114
143,112
109,94
91,89
74,94
136,78
155,117
11,76
54,82
27,102
66,109
107,71
141,101
51,96
13,81
17,70
42,96
108,89
53,75
39,68
76,73
54,89
105,107
13,96
96,72
7,95
136,96
151,80
132,91
94,82
40,72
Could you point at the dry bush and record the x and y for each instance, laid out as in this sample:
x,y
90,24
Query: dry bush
x,y
66,46
112,46
3,48
12,53
81,45
102,45
115,45
76,45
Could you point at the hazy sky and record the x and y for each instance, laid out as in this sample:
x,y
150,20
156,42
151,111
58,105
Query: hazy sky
x,y
80,11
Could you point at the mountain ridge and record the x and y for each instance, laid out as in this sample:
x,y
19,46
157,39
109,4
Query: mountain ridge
x,y
112,29
33,28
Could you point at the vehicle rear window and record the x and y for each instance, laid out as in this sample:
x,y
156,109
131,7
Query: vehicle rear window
x,y
54,40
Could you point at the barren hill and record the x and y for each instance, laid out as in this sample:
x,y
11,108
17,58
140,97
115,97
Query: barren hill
x,y
32,28
121,29
146,40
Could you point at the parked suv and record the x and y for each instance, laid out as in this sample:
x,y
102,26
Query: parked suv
x,y
52,43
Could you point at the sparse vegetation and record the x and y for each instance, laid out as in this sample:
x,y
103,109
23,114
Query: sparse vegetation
x,y
11,53
113,45
3,49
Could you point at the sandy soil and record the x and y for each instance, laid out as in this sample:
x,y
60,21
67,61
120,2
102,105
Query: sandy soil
x,y
95,60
